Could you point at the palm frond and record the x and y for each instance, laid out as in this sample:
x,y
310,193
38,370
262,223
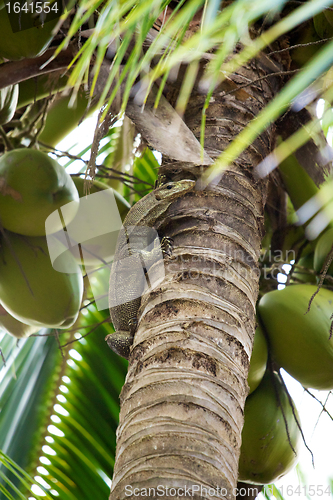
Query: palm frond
x,y
127,27
314,69
24,399
79,446
10,489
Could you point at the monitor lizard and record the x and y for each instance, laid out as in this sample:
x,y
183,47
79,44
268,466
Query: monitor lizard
x,y
135,253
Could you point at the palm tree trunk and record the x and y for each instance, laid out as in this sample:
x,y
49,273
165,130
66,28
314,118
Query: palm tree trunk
x,y
182,404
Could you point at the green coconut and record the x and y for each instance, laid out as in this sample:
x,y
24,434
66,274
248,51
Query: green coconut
x,y
266,453
14,327
300,340
31,290
258,360
59,112
32,186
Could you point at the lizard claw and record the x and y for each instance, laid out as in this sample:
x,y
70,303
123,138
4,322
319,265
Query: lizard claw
x,y
167,246
162,179
132,323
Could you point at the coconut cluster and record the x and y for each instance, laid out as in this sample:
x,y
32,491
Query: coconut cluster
x,y
296,321
33,294
41,208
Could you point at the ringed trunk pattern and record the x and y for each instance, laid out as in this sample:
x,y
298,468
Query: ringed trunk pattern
x,y
182,403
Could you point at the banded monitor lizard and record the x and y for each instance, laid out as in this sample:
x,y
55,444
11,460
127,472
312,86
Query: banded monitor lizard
x,y
138,248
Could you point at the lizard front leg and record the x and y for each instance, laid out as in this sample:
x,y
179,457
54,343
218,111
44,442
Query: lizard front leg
x,y
167,246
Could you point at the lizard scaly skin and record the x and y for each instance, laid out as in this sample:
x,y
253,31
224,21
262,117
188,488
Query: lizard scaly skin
x,y
135,253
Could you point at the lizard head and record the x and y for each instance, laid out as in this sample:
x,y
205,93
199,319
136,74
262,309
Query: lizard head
x,y
172,190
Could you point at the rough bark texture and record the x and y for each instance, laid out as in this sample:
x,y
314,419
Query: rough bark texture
x,y
182,403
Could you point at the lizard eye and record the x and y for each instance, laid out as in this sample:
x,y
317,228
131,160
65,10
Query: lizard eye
x,y
169,187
